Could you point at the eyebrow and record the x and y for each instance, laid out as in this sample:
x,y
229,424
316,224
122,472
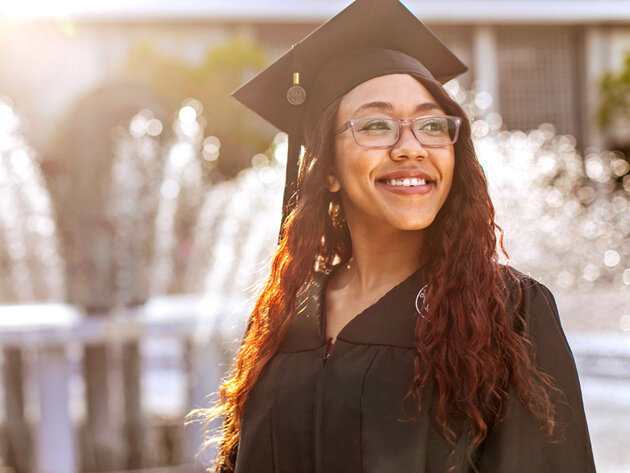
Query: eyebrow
x,y
423,107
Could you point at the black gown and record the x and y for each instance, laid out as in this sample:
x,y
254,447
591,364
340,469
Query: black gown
x,y
343,413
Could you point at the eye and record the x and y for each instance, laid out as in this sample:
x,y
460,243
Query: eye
x,y
433,125
375,125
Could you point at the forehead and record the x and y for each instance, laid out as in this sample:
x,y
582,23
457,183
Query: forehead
x,y
402,91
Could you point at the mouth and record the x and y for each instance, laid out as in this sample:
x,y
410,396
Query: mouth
x,y
407,182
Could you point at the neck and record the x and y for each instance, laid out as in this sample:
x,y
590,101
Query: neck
x,y
381,257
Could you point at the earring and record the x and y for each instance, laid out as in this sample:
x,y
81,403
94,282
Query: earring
x,y
332,184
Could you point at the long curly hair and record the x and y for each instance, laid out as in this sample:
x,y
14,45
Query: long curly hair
x,y
472,350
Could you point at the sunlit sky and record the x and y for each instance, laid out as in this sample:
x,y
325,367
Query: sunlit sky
x,y
45,8
561,10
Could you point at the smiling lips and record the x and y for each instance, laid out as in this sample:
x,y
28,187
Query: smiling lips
x,y
407,182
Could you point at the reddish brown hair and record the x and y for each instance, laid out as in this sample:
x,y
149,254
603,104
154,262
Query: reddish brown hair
x,y
470,350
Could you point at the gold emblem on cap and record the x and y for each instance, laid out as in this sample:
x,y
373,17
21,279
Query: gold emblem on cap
x,y
296,95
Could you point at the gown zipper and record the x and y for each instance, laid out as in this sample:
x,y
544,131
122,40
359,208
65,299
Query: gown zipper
x,y
318,404
329,345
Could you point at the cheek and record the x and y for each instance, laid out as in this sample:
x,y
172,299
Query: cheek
x,y
350,165
447,172
450,173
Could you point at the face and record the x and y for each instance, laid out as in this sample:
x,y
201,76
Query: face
x,y
367,177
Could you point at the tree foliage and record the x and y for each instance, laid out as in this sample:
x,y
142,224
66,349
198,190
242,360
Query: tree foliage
x,y
615,94
211,81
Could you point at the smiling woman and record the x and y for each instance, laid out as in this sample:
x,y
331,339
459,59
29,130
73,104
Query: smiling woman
x,y
388,338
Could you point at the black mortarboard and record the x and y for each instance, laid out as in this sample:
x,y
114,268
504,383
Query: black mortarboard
x,y
370,38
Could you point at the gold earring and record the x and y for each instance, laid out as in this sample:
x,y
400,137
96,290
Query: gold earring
x,y
332,184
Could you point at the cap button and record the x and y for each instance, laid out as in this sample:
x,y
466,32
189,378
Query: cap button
x,y
296,95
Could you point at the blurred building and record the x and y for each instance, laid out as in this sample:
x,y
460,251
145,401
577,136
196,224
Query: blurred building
x,y
540,59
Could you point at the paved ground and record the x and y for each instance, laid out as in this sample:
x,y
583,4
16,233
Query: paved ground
x,y
594,323
607,405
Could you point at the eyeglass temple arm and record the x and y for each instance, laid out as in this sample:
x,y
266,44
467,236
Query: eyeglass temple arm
x,y
344,127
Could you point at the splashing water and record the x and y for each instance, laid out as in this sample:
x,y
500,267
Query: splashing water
x,y
179,200
32,269
132,204
236,234
565,220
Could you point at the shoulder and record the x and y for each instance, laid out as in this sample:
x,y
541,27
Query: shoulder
x,y
550,354
513,277
526,293
530,301
534,310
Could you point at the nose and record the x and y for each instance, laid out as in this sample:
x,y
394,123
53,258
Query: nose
x,y
408,146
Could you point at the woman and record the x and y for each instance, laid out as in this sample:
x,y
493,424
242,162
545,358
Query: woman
x,y
388,338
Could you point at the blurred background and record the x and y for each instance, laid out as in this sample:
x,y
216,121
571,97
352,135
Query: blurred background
x,y
139,205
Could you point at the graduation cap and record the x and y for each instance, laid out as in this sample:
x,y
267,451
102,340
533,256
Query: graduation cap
x,y
368,39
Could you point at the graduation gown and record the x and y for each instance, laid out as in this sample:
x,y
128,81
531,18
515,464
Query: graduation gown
x,y
343,412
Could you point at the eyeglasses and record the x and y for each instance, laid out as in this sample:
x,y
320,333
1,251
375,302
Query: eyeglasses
x,y
431,131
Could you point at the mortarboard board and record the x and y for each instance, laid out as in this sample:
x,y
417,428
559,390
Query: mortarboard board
x,y
368,39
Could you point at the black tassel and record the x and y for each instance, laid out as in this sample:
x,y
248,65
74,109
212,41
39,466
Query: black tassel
x,y
296,95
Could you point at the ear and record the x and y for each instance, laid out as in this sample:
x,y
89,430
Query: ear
x,y
332,182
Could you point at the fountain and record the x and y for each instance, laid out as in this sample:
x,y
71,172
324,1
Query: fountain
x,y
32,269
174,236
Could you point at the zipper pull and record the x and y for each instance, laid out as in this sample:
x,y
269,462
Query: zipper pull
x,y
328,348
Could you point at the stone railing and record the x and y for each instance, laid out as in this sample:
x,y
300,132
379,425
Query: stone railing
x,y
42,344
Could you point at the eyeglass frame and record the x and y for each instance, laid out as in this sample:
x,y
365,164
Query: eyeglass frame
x,y
402,122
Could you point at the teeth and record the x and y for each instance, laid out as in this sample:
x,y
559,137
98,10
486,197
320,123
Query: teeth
x,y
407,182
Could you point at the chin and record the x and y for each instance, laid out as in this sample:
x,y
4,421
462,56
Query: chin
x,y
412,224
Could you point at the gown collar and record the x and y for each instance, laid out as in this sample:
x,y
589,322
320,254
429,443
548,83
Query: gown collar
x,y
389,321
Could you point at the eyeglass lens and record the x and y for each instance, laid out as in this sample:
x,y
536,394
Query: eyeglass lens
x,y
431,131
